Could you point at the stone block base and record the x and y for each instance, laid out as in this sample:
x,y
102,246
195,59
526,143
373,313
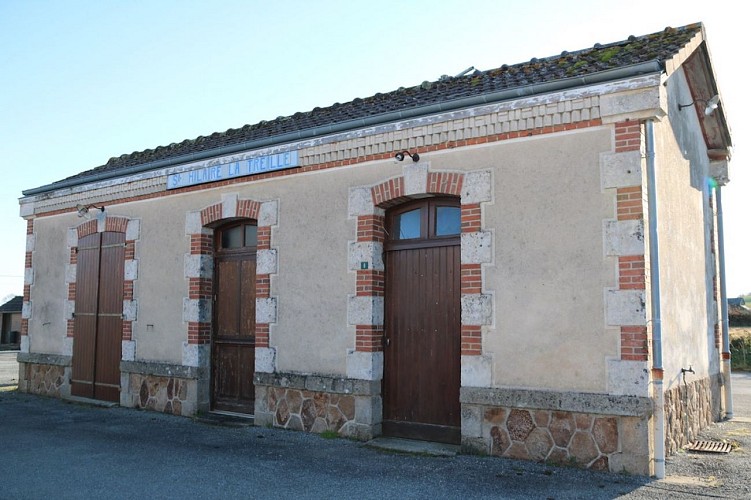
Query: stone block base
x,y
314,403
46,380
163,394
44,374
689,408
163,387
557,428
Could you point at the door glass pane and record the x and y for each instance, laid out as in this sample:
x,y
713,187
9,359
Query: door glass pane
x,y
233,237
448,221
251,236
407,225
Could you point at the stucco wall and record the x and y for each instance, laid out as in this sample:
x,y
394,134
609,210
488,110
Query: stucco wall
x,y
49,290
684,215
547,277
549,270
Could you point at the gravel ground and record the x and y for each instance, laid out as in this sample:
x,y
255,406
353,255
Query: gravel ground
x,y
53,448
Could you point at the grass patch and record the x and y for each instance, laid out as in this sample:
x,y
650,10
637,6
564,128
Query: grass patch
x,y
329,434
740,348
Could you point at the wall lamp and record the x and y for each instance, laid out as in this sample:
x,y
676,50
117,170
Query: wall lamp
x,y
400,156
711,104
83,211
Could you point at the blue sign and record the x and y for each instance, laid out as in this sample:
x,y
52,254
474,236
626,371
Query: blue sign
x,y
223,171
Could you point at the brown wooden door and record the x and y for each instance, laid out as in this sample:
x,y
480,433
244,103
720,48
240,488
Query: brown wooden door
x,y
97,340
233,343
423,323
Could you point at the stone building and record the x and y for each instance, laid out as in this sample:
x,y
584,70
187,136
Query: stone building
x,y
524,261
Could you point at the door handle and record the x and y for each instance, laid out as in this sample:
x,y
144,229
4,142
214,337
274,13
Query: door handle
x,y
386,341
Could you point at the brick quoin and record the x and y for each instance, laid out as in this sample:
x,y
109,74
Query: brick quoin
x,y
264,238
263,286
200,288
370,228
30,226
199,333
369,338
127,330
471,340
370,283
631,272
627,136
262,334
471,218
634,343
201,244
471,280
629,203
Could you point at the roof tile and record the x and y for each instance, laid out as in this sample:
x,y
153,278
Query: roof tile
x,y
659,46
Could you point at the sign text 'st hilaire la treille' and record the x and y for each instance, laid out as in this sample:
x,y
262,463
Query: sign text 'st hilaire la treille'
x,y
258,165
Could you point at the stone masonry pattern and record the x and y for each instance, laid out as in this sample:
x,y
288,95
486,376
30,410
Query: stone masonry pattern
x,y
689,408
164,394
556,437
46,380
311,411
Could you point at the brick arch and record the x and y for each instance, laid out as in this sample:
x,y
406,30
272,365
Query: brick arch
x,y
115,224
394,191
199,269
419,181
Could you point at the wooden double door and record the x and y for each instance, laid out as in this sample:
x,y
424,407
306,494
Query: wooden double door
x,y
233,342
422,324
97,338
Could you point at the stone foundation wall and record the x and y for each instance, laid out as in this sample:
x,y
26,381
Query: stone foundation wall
x,y
593,431
44,374
46,380
313,403
689,408
163,394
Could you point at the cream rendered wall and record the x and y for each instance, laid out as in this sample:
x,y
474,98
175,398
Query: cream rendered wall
x,y
548,277
49,291
686,265
550,271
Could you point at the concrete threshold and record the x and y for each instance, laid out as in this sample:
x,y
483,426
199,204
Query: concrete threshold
x,y
414,447
226,418
92,402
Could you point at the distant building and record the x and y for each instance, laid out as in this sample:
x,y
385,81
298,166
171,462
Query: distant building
x,y
468,260
10,312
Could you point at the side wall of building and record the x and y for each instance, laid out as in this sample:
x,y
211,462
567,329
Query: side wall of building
x,y
688,274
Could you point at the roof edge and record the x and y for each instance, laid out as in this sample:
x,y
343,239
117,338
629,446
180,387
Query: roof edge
x,y
648,67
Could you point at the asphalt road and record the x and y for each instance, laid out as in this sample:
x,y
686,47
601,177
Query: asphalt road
x,y
53,448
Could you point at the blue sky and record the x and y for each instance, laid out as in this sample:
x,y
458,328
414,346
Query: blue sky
x,y
82,81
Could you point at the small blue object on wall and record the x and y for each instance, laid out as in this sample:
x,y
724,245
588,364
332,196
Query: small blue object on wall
x,y
363,265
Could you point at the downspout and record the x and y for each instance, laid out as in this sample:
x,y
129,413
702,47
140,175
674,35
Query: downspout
x,y
654,270
726,371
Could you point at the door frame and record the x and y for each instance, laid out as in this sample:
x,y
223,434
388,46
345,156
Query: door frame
x,y
428,239
242,253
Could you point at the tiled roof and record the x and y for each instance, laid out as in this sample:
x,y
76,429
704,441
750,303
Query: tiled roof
x,y
635,50
13,305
